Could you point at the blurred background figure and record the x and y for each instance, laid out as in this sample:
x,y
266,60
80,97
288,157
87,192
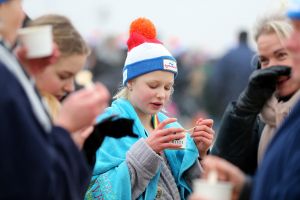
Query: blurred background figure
x,y
230,75
106,62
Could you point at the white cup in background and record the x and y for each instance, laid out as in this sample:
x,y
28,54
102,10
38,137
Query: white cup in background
x,y
37,40
212,191
181,141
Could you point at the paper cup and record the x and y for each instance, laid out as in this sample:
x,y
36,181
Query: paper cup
x,y
37,40
212,191
181,141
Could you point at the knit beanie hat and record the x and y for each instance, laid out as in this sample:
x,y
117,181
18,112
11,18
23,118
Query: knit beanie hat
x,y
293,11
145,52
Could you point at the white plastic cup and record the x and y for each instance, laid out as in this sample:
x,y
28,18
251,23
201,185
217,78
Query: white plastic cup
x,y
212,191
37,40
181,141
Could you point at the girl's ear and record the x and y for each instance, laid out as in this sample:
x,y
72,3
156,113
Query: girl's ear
x,y
129,85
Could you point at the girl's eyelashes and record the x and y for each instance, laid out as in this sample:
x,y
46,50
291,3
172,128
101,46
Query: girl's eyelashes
x,y
64,76
152,86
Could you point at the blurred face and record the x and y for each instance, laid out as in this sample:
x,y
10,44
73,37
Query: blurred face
x,y
11,19
58,79
272,52
150,92
293,45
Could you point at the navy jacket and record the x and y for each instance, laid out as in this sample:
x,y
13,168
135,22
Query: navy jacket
x,y
35,164
279,175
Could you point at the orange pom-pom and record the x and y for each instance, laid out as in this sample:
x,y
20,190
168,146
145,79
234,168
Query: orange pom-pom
x,y
144,27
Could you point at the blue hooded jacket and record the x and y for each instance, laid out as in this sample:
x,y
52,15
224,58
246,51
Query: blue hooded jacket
x,y
111,177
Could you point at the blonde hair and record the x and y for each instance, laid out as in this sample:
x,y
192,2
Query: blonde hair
x,y
53,104
68,39
274,23
122,93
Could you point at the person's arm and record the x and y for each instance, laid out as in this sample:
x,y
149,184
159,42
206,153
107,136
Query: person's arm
x,y
237,138
37,165
193,173
70,172
143,164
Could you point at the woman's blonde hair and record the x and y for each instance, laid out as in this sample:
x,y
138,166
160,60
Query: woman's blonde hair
x,y
68,39
52,103
273,23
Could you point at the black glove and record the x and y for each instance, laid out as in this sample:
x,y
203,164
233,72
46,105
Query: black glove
x,y
261,86
113,127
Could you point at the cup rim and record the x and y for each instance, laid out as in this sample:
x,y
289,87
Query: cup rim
x,y
30,29
220,184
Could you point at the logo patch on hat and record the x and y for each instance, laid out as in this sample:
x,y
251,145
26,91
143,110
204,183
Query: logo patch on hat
x,y
170,65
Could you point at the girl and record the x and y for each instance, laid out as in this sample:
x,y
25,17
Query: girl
x,y
150,166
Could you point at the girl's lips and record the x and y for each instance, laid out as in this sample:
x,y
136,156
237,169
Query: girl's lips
x,y
156,105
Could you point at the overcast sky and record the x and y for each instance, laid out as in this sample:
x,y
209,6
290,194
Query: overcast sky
x,y
208,24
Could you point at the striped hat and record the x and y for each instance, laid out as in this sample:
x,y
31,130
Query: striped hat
x,y
293,11
145,52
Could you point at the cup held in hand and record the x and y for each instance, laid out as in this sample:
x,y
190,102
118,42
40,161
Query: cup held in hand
x,y
213,191
181,141
37,40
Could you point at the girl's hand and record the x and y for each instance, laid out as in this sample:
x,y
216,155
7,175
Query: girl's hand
x,y
160,139
203,135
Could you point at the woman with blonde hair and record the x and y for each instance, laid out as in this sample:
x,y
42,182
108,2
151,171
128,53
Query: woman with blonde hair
x,y
57,80
249,124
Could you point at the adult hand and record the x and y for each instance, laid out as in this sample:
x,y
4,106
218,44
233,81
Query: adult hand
x,y
160,139
203,135
36,65
81,108
262,84
226,172
80,136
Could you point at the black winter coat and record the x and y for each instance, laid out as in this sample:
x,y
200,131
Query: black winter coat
x,y
238,138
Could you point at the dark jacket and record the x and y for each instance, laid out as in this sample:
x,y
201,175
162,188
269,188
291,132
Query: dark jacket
x,y
238,138
279,174
35,164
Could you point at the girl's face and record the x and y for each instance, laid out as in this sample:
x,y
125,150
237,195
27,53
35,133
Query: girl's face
x,y
272,52
150,92
11,19
58,79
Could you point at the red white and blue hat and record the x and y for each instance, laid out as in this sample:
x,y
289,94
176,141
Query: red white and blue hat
x,y
145,52
293,11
